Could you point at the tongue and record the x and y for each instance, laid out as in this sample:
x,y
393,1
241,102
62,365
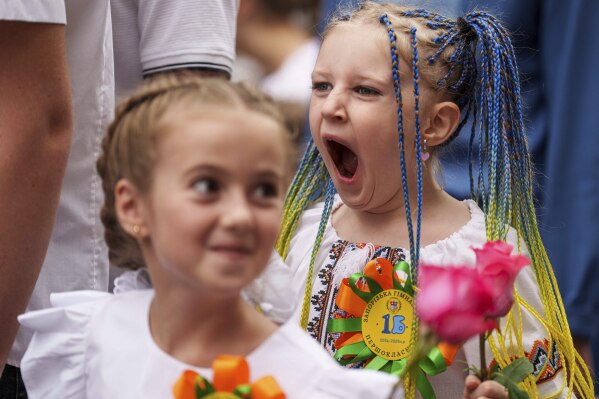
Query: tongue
x,y
349,163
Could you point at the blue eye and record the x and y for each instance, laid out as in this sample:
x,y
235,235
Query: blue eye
x,y
205,186
366,91
321,86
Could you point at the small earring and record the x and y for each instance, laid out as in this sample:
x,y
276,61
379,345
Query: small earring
x,y
136,229
424,155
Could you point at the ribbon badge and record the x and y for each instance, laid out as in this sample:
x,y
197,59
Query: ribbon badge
x,y
231,381
377,328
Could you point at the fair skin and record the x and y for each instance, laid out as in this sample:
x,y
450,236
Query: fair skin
x,y
473,388
207,226
35,137
353,120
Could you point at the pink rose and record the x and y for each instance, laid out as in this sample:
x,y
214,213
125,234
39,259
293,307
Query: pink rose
x,y
499,269
454,301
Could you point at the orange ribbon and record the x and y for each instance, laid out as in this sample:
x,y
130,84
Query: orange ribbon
x,y
185,388
231,375
448,351
267,388
229,372
381,271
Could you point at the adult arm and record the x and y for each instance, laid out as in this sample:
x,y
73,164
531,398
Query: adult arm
x,y
35,135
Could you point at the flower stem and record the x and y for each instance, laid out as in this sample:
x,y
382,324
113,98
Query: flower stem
x,y
484,372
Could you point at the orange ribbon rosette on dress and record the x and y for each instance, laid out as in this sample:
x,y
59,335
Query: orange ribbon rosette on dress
x,y
230,381
378,323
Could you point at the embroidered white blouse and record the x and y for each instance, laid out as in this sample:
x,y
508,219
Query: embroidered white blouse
x,y
280,292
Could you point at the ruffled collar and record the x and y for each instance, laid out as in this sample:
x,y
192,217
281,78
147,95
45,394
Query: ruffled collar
x,y
471,232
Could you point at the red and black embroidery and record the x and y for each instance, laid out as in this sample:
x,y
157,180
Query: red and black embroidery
x,y
546,361
323,296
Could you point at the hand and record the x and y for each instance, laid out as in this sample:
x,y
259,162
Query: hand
x,y
474,389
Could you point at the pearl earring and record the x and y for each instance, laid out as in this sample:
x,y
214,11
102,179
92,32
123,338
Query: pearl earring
x,y
136,229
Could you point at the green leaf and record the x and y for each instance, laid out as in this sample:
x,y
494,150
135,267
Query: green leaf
x,y
495,368
512,374
515,392
517,370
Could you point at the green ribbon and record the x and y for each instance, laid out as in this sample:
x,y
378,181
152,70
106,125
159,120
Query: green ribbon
x,y
407,287
433,364
423,385
203,392
345,325
241,391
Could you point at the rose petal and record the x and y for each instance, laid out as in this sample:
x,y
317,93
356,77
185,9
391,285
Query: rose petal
x,y
459,327
454,301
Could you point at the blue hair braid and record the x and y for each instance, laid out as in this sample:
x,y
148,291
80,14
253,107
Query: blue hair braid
x,y
384,19
416,77
505,180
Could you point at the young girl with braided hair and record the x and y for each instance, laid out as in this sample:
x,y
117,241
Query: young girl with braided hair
x,y
392,85
194,173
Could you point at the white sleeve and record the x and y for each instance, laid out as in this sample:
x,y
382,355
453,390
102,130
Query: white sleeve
x,y
273,291
280,289
54,365
132,280
187,34
45,11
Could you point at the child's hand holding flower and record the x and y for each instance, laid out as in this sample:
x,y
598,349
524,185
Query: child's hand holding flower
x,y
474,388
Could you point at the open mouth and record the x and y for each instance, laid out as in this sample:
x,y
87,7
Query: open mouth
x,y
345,159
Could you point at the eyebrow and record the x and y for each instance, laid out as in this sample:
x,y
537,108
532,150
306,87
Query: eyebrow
x,y
358,76
263,174
372,78
205,169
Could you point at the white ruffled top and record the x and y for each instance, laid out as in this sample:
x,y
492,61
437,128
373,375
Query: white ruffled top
x,y
97,345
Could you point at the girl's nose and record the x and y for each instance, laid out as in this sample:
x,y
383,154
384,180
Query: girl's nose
x,y
333,107
238,214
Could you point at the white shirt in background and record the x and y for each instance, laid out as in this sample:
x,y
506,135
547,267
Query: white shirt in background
x,y
153,36
292,82
77,257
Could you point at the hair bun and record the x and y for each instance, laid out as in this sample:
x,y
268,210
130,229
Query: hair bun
x,y
466,30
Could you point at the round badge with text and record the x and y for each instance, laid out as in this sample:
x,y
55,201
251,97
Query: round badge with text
x,y
387,324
